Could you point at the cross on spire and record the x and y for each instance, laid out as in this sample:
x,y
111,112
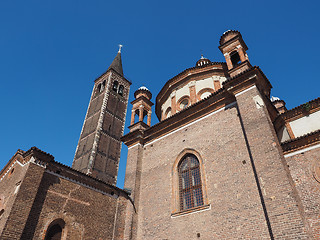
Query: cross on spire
x,y
120,46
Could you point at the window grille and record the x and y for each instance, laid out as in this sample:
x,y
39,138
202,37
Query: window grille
x,y
190,187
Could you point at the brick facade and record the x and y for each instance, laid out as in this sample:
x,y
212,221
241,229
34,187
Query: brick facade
x,y
252,184
49,191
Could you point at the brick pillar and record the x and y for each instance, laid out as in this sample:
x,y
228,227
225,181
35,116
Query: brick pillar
x,y
242,54
132,117
192,90
149,118
228,60
217,85
282,205
173,103
132,182
141,113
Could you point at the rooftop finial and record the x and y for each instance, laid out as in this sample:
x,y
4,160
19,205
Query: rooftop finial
x,y
120,46
202,56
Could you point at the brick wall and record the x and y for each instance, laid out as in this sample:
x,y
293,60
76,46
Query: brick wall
x,y
249,192
304,169
44,197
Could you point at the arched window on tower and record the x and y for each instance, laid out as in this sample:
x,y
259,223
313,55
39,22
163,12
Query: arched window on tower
x,y
120,91
103,84
235,58
115,86
55,230
98,88
190,185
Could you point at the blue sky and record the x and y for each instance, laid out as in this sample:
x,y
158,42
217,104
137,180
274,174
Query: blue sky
x,y
52,51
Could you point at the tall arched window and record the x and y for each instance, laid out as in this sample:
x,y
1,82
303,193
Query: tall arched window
x,y
190,186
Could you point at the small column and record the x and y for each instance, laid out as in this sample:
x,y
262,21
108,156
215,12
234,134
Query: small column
x,y
149,118
132,116
228,60
141,113
242,54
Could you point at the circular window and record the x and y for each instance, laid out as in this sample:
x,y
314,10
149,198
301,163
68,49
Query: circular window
x,y
184,103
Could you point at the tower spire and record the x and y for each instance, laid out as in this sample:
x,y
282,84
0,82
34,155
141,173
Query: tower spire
x,y
116,64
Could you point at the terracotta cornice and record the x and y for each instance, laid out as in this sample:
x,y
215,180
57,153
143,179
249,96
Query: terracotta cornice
x,y
213,102
142,98
134,137
301,111
234,39
38,154
249,77
301,142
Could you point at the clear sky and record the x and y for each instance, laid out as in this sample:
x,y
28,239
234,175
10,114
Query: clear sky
x,y
52,51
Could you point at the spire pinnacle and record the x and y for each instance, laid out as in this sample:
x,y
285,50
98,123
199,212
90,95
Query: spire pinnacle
x,y
116,64
120,46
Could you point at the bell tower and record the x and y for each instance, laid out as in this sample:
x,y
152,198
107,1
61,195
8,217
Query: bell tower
x,y
234,50
98,150
141,107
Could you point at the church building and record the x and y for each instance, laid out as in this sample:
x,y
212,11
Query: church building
x,y
225,161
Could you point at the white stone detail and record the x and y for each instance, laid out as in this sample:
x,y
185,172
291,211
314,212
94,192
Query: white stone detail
x,y
272,99
258,101
143,88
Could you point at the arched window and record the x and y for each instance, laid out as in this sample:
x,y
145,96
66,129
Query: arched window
x,y
98,88
168,112
55,230
235,58
103,85
120,91
115,86
190,186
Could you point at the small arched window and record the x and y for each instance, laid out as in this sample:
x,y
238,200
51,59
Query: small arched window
x,y
99,88
120,91
168,112
190,186
55,230
103,84
115,86
235,58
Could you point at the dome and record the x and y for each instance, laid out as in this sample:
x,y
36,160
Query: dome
x,y
143,91
202,61
143,88
227,35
